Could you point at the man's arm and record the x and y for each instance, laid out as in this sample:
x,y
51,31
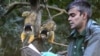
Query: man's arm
x,y
93,46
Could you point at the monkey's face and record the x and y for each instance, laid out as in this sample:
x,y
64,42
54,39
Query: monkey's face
x,y
44,34
48,26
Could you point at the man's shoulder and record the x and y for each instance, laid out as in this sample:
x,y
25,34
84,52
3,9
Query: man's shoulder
x,y
92,30
93,26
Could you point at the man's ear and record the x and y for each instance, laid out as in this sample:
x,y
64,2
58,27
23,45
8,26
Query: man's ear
x,y
85,15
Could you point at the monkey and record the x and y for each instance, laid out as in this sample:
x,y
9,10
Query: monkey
x,y
48,27
47,30
28,29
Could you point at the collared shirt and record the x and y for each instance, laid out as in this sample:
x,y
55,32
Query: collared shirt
x,y
78,43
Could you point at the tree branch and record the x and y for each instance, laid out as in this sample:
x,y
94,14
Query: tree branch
x,y
12,6
59,44
57,9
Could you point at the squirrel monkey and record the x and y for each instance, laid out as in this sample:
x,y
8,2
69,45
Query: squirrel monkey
x,y
47,30
28,30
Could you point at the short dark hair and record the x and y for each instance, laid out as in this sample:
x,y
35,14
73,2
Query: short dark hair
x,y
83,6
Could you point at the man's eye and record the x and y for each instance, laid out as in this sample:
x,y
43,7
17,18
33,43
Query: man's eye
x,y
72,15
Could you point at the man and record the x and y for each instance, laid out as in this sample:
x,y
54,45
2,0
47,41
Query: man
x,y
85,37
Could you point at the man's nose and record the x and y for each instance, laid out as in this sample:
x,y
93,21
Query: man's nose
x,y
69,18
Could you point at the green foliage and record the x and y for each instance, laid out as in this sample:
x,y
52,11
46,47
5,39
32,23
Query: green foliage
x,y
10,34
98,20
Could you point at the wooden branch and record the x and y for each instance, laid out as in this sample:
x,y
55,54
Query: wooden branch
x,y
62,52
12,6
57,14
55,43
57,9
59,44
17,3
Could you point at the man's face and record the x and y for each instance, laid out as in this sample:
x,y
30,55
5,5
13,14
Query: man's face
x,y
75,18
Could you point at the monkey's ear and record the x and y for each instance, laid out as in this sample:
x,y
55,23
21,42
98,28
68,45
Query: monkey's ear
x,y
25,13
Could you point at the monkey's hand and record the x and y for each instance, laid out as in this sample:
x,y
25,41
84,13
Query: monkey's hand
x,y
51,37
25,13
31,38
22,36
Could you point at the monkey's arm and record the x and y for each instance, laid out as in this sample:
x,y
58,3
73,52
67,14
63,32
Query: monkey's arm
x,y
51,37
22,36
31,38
25,13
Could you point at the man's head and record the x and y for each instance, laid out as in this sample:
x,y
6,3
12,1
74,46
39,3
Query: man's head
x,y
79,12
